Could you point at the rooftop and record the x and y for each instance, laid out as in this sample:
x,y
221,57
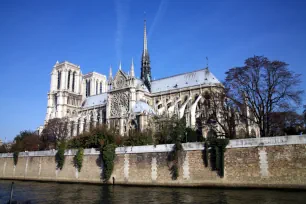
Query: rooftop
x,y
189,79
95,100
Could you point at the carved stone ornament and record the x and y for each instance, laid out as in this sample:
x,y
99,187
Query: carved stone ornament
x,y
119,103
120,82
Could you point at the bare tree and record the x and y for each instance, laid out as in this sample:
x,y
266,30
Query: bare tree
x,y
289,123
304,114
264,86
219,112
26,141
55,132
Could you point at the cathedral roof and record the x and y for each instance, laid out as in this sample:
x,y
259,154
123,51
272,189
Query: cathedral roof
x,y
140,85
141,107
95,100
198,77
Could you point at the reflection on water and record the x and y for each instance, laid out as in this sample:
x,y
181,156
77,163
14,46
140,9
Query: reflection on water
x,y
81,193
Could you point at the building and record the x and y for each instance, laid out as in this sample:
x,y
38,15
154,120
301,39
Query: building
x,y
123,101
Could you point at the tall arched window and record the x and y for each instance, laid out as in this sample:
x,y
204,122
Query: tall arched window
x,y
97,88
68,85
88,88
100,87
59,74
73,81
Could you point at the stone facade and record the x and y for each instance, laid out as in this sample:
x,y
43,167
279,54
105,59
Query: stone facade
x,y
125,102
283,165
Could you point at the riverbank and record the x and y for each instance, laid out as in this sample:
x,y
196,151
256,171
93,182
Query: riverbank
x,y
277,162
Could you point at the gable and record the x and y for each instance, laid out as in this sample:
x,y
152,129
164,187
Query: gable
x,y
120,80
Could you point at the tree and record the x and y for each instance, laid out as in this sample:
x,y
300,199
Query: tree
x,y
289,123
169,130
221,112
55,132
304,114
3,149
26,141
264,86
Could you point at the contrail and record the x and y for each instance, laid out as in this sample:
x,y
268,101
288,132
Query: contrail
x,y
122,13
159,14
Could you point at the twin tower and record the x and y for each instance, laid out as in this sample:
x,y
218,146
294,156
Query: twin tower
x,y
69,88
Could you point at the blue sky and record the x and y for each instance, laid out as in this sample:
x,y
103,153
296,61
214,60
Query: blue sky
x,y
95,34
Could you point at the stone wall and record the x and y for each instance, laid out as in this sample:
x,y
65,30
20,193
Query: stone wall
x,y
278,162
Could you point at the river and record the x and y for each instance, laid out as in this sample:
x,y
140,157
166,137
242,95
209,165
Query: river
x,y
40,192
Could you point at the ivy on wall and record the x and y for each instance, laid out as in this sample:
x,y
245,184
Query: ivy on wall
x,y
108,156
174,158
15,157
78,159
59,156
215,147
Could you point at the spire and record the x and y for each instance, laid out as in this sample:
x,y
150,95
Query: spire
x,y
145,41
120,65
110,72
132,69
145,74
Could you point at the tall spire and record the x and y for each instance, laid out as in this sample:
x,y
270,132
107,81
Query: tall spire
x,y
132,69
145,41
145,75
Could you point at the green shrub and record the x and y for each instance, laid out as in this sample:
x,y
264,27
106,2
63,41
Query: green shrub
x,y
60,157
108,157
78,159
15,156
96,138
137,138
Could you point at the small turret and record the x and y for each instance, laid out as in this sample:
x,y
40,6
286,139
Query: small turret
x,y
110,76
120,66
132,73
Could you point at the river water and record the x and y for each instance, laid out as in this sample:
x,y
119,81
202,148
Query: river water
x,y
39,192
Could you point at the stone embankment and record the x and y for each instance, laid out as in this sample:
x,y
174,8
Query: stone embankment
x,y
275,162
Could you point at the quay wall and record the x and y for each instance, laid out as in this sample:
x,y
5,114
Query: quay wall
x,y
275,162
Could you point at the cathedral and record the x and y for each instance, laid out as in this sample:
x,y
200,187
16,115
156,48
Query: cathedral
x,y
123,101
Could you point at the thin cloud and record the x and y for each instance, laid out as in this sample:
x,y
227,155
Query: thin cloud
x,y
122,14
159,14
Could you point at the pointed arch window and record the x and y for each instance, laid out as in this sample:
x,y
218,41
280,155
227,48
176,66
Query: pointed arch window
x,y
59,74
88,88
97,88
69,73
73,81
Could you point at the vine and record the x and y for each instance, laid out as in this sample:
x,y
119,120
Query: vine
x,y
217,149
15,156
78,159
60,157
108,156
205,154
174,157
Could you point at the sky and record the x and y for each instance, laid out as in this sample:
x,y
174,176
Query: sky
x,y
96,34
